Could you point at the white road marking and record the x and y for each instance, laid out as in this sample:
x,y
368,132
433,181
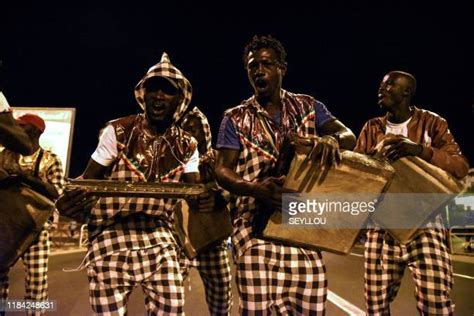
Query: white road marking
x,y
64,252
463,276
346,306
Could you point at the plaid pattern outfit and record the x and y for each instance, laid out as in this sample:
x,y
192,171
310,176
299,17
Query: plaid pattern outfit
x,y
429,261
35,259
427,255
213,264
131,239
280,271
156,269
214,268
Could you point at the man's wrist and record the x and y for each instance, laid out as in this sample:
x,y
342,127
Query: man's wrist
x,y
336,136
426,153
419,150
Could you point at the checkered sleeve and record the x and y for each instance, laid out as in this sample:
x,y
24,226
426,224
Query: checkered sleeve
x,y
55,174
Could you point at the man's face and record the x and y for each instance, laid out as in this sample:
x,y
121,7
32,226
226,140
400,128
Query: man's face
x,y
32,132
194,127
264,72
392,91
161,100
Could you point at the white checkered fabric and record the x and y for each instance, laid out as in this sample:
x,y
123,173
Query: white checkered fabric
x,y
271,276
113,278
35,261
213,264
281,280
429,261
165,69
214,268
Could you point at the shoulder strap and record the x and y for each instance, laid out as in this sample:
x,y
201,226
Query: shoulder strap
x,y
38,161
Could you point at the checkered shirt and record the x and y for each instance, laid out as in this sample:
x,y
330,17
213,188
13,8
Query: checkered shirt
x,y
258,156
121,223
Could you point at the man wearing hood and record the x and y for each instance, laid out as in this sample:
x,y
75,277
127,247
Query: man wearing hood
x,y
212,264
131,239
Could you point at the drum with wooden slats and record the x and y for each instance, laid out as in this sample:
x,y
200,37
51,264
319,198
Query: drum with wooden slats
x,y
196,230
356,173
23,215
414,178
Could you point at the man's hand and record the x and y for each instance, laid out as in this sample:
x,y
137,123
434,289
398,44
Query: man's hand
x,y
76,204
269,192
325,150
3,174
10,163
204,202
396,147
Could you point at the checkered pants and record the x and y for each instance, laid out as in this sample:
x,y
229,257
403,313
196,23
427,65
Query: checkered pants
x,y
429,261
287,280
112,279
214,268
35,261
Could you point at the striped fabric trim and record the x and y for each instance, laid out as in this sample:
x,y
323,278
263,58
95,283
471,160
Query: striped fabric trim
x,y
256,148
132,167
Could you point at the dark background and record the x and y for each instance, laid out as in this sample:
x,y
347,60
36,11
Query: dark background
x,y
91,57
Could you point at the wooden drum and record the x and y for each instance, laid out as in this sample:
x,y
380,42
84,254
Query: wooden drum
x,y
23,215
198,231
356,174
414,178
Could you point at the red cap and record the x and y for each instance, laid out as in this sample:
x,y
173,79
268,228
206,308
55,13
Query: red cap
x,y
33,120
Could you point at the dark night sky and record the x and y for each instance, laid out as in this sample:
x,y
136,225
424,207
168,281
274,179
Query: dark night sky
x,y
91,57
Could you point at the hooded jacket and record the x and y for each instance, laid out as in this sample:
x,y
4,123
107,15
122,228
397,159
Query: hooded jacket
x,y
137,223
207,159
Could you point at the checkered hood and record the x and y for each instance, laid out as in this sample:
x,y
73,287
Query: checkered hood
x,y
205,125
165,69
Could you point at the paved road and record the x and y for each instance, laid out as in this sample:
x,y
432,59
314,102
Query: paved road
x,y
345,275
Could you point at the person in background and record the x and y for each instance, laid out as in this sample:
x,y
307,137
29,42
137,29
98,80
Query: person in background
x,y
213,264
406,130
43,172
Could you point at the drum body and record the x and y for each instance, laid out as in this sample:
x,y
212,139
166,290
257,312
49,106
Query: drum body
x,y
23,215
198,231
356,174
414,178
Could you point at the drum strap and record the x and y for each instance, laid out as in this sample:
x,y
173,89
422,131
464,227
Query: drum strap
x,y
38,162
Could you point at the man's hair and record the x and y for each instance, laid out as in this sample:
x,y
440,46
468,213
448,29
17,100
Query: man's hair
x,y
259,42
410,78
